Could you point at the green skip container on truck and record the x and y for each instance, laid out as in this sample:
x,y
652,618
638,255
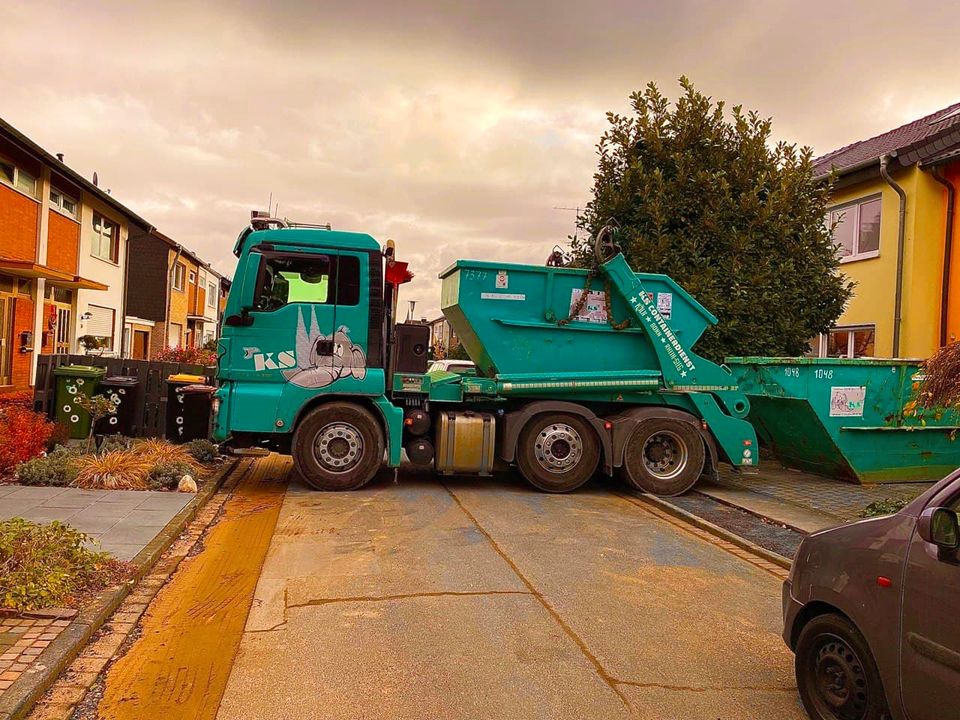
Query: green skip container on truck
x,y
848,418
577,370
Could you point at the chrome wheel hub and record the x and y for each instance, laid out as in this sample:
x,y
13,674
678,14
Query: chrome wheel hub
x,y
558,448
338,446
665,455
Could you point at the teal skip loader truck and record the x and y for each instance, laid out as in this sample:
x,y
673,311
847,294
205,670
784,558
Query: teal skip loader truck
x,y
576,369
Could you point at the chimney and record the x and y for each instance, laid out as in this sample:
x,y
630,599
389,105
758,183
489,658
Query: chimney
x,y
60,157
413,304
96,180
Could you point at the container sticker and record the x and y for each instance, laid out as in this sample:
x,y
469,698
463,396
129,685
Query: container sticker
x,y
502,296
847,401
502,280
665,305
594,309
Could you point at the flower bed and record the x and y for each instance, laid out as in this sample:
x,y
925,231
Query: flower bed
x,y
121,463
43,565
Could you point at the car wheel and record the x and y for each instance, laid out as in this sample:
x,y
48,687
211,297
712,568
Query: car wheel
x,y
558,453
663,457
338,446
836,674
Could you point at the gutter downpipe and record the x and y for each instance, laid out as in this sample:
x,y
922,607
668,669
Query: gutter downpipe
x,y
937,175
898,302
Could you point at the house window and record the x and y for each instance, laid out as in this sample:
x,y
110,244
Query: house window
x,y
19,178
106,239
64,203
175,335
211,295
193,278
100,325
856,229
848,342
179,271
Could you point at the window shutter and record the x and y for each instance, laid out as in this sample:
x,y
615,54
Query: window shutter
x,y
101,322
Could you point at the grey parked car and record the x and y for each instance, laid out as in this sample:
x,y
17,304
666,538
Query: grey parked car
x,y
872,613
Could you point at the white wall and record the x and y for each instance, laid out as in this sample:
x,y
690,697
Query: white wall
x,y
102,271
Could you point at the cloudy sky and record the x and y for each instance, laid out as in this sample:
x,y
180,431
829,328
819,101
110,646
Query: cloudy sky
x,y
455,128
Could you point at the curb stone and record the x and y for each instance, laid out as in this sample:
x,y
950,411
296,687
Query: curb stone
x,y
17,701
715,530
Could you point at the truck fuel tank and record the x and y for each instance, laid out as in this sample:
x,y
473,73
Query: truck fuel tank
x,y
465,443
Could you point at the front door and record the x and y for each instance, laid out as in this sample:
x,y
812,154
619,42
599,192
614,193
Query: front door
x,y
141,341
61,344
930,631
6,337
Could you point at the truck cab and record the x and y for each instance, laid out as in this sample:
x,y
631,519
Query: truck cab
x,y
311,363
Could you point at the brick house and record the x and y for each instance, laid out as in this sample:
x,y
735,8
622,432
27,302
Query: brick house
x,y
173,297
63,243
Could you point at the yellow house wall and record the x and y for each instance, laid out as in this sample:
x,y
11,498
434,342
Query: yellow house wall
x,y
873,302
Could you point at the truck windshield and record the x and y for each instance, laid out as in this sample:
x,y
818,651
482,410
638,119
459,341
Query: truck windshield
x,y
323,280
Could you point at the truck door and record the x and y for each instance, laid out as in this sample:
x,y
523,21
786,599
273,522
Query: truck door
x,y
930,631
287,337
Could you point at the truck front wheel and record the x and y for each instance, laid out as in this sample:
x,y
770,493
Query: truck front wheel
x,y
558,453
663,456
338,446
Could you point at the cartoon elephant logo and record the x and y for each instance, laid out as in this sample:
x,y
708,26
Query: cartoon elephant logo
x,y
324,359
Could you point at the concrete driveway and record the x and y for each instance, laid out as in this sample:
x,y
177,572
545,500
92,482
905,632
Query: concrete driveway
x,y
484,599
480,598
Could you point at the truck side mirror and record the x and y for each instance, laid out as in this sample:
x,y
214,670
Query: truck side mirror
x,y
247,289
248,283
941,527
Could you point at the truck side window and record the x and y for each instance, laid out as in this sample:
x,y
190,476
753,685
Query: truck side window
x,y
298,279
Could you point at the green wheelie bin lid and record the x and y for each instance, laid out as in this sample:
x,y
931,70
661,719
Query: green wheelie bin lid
x,y
83,371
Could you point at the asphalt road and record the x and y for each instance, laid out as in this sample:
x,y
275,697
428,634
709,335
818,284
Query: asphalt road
x,y
471,598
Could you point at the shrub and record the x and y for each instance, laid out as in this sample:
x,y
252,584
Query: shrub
x,y
44,565
166,476
161,452
190,355
115,442
23,436
60,436
58,468
117,470
20,398
887,506
202,451
97,407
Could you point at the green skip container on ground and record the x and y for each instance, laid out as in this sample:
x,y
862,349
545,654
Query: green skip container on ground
x,y
73,381
848,418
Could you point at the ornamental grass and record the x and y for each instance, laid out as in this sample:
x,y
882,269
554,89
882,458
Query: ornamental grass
x,y
117,470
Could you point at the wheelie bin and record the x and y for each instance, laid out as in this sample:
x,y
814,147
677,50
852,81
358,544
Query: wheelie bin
x,y
121,390
188,408
74,381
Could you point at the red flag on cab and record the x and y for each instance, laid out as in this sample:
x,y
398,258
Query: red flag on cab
x,y
397,273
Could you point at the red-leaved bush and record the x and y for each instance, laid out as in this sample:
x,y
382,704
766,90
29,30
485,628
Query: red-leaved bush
x,y
20,398
191,355
23,436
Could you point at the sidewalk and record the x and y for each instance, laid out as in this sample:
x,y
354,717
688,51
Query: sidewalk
x,y
121,522
801,500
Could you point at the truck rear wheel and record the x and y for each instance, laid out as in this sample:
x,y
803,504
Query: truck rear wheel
x,y
338,446
663,456
558,453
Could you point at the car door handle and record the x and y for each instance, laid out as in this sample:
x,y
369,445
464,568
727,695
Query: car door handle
x,y
934,651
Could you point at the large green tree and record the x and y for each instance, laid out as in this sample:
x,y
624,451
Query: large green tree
x,y
706,198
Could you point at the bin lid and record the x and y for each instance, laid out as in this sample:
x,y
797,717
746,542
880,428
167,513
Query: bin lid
x,y
197,389
186,378
80,370
120,380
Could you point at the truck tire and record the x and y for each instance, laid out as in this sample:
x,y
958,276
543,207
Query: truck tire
x,y
557,452
663,457
338,446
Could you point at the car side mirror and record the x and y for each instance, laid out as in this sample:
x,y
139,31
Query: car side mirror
x,y
941,527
